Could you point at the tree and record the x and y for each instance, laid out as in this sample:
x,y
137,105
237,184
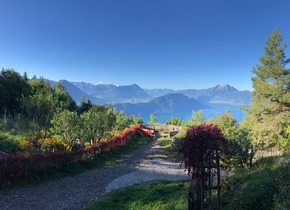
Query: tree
x,y
66,126
25,76
13,88
174,121
153,119
135,120
84,106
241,150
63,100
122,121
40,105
269,113
196,119
98,122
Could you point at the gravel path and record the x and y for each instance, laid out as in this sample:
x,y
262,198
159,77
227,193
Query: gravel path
x,y
79,191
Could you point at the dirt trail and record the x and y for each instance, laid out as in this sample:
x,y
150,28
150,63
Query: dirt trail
x,y
79,191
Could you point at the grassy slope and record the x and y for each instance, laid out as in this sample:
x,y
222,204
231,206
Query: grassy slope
x,y
158,195
266,186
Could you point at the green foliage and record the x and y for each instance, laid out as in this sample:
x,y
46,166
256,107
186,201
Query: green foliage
x,y
153,119
98,122
40,105
174,121
286,142
93,123
270,107
13,88
35,101
266,186
135,120
241,149
63,100
196,119
66,126
122,121
84,106
158,196
8,142
168,151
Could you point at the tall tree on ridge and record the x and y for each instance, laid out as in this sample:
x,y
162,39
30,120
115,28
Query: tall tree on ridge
x,y
269,113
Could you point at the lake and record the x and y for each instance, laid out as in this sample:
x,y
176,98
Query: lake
x,y
213,112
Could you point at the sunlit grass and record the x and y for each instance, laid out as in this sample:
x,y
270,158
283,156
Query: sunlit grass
x,y
168,151
163,195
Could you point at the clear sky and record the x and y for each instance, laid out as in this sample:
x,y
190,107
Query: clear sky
x,y
176,44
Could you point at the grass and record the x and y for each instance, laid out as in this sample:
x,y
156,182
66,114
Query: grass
x,y
101,161
155,196
161,195
168,152
266,186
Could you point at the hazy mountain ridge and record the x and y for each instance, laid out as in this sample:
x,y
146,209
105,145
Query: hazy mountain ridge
x,y
137,101
113,93
225,94
78,94
218,94
170,103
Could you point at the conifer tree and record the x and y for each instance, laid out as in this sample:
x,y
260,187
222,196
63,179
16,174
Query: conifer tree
x,y
269,113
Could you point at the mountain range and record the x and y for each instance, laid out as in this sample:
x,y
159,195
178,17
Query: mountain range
x,y
167,104
134,100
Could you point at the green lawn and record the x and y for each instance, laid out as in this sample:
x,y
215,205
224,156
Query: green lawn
x,y
162,195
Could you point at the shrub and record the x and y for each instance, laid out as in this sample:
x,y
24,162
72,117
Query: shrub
x,y
199,145
265,186
16,167
8,142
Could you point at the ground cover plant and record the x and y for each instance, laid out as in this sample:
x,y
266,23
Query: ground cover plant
x,y
162,195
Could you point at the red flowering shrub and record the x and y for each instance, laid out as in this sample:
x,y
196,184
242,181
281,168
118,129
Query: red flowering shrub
x,y
16,167
201,145
201,150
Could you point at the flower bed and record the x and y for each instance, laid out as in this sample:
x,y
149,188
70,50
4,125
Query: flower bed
x,y
17,167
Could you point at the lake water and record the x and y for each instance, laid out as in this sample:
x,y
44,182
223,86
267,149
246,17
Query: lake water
x,y
237,113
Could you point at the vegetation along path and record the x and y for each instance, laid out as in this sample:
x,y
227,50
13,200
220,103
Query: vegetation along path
x,y
79,191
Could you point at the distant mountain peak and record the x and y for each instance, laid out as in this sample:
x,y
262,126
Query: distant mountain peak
x,y
225,88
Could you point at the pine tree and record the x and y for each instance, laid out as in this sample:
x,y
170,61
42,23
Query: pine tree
x,y
270,105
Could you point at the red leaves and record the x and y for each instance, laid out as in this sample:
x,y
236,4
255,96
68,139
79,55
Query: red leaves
x,y
16,167
202,146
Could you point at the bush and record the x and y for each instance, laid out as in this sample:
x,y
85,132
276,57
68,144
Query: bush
x,y
8,142
266,186
199,146
17,167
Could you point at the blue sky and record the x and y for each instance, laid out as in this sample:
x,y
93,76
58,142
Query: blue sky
x,y
153,43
